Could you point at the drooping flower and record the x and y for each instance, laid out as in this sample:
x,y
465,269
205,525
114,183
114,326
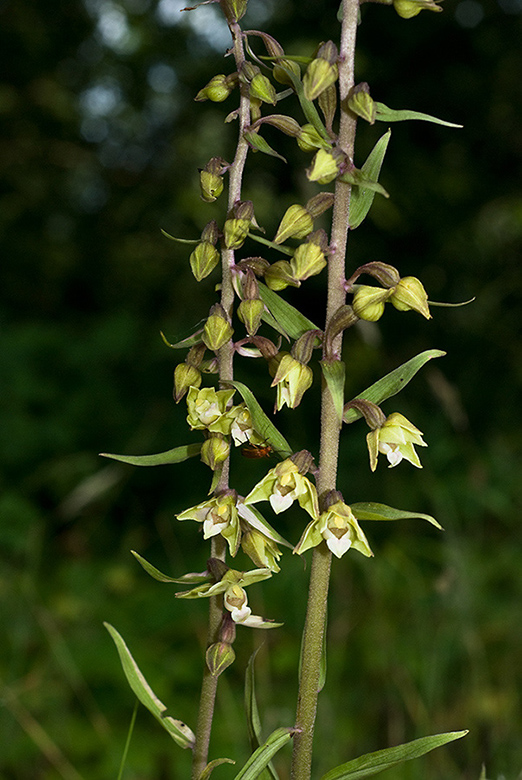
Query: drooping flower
x,y
396,438
219,515
292,380
338,527
283,485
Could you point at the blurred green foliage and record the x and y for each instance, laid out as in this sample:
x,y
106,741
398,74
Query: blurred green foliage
x,y
100,147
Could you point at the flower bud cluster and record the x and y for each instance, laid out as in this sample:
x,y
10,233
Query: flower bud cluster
x,y
218,88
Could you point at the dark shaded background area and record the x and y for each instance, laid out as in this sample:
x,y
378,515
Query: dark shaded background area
x,y
100,147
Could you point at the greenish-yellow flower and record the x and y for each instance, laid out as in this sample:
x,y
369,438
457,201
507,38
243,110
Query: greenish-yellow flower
x,y
396,439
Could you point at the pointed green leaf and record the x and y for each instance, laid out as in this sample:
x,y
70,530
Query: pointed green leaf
x,y
358,179
361,199
253,720
392,383
258,143
212,765
290,318
278,247
260,758
373,763
179,731
262,424
335,374
181,240
187,579
372,511
184,343
308,107
451,305
385,114
177,455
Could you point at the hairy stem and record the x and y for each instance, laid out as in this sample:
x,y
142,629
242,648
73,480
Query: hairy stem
x,y
313,635
226,373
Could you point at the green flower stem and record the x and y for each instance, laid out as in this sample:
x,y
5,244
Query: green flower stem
x,y
312,647
226,373
209,685
226,353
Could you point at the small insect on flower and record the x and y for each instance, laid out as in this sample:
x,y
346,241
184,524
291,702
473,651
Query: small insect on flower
x,y
256,451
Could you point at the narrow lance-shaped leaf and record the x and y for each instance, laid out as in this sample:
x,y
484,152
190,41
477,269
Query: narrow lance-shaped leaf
x,y
260,758
309,109
252,715
179,731
195,578
278,247
212,765
372,511
385,114
181,240
373,763
262,424
258,143
185,343
177,455
392,383
290,318
444,305
361,199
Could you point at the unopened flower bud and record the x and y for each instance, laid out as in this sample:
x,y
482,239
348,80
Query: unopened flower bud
x,y
217,330
409,8
185,376
262,89
409,295
320,203
307,260
235,232
211,186
325,167
279,275
368,302
309,139
280,71
210,232
210,179
234,10
219,657
214,451
297,222
361,103
218,89
203,260
319,75
250,312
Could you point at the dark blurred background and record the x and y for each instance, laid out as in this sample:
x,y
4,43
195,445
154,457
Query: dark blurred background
x,y
101,142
